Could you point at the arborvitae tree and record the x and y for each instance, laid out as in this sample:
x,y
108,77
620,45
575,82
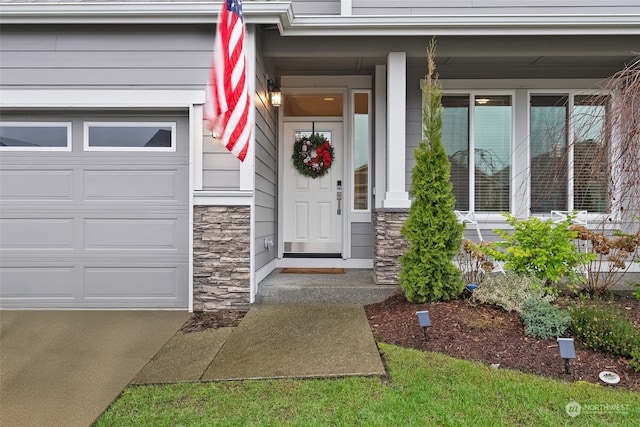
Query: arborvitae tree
x,y
434,234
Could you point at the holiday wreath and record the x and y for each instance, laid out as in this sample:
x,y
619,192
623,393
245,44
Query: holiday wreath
x,y
312,155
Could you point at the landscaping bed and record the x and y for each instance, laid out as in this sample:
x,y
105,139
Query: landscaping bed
x,y
468,330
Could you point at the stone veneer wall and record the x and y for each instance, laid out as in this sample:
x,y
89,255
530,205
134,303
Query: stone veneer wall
x,y
221,257
389,244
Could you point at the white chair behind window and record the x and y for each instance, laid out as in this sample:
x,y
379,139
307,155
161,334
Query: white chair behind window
x,y
559,216
468,218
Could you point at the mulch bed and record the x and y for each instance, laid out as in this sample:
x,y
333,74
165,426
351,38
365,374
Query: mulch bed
x,y
467,330
201,321
488,334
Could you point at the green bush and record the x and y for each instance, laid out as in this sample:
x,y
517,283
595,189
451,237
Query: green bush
x,y
634,363
601,326
543,320
543,248
510,290
432,230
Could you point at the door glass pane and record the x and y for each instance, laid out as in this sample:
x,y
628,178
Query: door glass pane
x,y
361,144
492,137
548,147
590,154
455,137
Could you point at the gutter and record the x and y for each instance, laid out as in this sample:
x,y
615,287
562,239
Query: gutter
x,y
280,13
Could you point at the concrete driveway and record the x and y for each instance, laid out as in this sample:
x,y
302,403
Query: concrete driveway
x,y
63,368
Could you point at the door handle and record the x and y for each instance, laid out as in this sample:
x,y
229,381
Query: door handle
x,y
339,198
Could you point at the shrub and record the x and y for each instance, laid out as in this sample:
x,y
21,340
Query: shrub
x,y
543,320
510,290
545,249
601,326
634,363
432,230
473,262
612,256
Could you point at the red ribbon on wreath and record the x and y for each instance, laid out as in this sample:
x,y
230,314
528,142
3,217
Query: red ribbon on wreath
x,y
313,155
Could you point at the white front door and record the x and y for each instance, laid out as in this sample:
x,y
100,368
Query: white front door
x,y
313,207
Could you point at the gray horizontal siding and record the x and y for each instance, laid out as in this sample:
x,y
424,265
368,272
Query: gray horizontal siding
x,y
106,56
498,7
220,169
314,7
362,240
266,169
109,57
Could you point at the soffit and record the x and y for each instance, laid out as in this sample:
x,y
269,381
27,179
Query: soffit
x,y
457,57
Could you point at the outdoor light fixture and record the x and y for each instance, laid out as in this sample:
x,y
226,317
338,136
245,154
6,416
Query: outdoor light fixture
x,y
275,95
425,322
567,351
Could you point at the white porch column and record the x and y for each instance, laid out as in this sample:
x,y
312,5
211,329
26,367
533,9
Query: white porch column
x,y
380,186
396,196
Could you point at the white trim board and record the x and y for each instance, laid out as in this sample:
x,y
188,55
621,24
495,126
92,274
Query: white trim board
x,y
324,263
81,98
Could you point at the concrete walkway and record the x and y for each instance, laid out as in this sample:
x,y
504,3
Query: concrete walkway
x,y
273,341
64,368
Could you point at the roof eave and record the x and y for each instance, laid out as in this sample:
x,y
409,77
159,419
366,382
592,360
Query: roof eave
x,y
280,13
180,12
464,25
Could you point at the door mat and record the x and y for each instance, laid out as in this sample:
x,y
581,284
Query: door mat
x,y
314,270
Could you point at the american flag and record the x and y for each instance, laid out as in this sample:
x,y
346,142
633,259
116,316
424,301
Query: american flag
x,y
227,102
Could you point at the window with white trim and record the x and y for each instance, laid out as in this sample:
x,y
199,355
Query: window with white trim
x,y
361,150
130,136
569,157
477,130
35,136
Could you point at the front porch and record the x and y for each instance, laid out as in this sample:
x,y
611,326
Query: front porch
x,y
354,286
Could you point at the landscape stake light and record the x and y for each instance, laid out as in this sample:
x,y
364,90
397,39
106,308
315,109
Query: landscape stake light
x,y
425,321
567,351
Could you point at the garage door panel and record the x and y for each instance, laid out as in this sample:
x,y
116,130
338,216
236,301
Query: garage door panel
x,y
37,185
127,185
131,282
33,234
84,229
37,283
124,234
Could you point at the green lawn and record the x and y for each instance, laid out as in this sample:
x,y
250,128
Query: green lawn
x,y
423,389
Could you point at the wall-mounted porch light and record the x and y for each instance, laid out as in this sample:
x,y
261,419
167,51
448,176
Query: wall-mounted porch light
x,y
275,95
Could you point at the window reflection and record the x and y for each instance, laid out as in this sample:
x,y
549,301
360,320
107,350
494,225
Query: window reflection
x,y
492,138
34,135
361,151
490,149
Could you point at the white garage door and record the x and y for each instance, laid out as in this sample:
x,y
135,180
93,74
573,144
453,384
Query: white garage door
x,y
94,210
